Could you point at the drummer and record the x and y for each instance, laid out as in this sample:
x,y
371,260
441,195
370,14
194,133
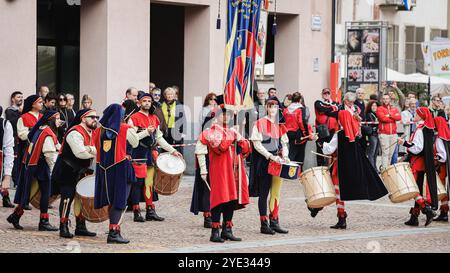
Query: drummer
x,y
226,149
114,142
75,158
351,172
38,164
146,123
421,157
270,142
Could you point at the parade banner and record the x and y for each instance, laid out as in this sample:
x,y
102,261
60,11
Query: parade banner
x,y
262,45
437,56
240,52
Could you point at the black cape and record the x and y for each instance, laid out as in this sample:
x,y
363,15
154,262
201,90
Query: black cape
x,y
428,150
201,195
358,180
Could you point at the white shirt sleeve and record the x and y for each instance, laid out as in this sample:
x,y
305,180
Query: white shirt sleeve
x,y
132,138
8,149
143,134
76,143
406,117
284,144
330,147
417,143
440,148
257,139
50,152
162,142
22,131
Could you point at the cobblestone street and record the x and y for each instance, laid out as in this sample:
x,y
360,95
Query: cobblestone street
x,y
372,227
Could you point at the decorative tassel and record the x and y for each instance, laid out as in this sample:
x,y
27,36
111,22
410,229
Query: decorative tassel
x,y
218,24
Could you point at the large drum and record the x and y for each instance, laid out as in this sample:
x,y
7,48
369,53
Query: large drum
x,y
442,191
35,195
318,186
169,170
399,181
85,192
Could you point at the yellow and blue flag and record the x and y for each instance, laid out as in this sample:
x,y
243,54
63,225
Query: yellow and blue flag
x,y
240,52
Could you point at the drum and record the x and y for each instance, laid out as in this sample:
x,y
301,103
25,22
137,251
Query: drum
x,y
442,191
399,181
85,192
35,195
318,186
169,170
290,171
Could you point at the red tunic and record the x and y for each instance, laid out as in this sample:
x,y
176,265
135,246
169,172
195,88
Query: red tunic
x,y
87,138
35,149
143,121
120,152
224,181
29,120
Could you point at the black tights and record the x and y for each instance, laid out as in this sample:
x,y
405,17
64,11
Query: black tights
x,y
67,192
227,209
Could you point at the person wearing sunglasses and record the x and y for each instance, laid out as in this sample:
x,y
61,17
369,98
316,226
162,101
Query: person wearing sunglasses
x,y
67,116
75,158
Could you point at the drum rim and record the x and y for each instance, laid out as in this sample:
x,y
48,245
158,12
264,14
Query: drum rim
x,y
165,154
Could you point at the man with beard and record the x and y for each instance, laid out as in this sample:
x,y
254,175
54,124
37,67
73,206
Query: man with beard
x,y
38,163
75,158
146,123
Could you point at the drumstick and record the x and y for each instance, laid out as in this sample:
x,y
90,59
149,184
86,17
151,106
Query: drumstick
x,y
121,217
306,137
66,204
322,155
402,137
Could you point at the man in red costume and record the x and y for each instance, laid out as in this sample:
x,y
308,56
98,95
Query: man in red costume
x,y
420,150
443,141
229,186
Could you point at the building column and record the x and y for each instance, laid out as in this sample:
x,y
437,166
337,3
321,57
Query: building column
x,y
18,27
114,49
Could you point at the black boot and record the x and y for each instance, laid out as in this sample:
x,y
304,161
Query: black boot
x,y
81,229
207,222
314,212
265,228
114,237
215,237
275,226
443,217
152,216
7,202
64,230
342,222
138,217
429,213
227,234
414,219
14,219
44,225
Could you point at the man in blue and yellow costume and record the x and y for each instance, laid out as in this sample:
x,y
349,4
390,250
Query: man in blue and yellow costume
x,y
114,141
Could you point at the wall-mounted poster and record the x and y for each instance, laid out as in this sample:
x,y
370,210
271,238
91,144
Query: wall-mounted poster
x,y
371,41
363,57
355,60
371,75
354,41
355,75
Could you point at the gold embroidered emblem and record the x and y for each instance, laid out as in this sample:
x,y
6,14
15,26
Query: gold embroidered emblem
x,y
292,171
107,145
